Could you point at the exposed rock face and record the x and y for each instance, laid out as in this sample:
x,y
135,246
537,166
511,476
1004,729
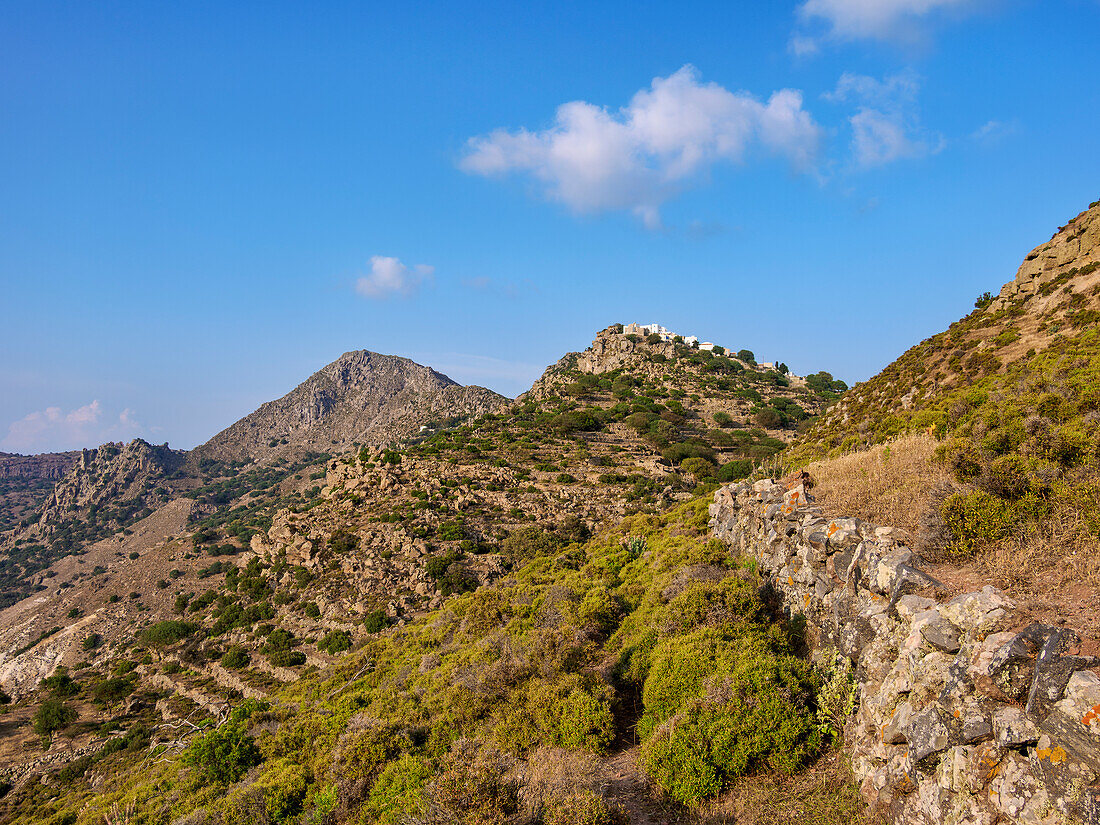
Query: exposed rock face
x,y
109,475
962,715
1074,246
46,465
361,397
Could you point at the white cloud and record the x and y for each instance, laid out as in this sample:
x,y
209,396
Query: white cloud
x,y
665,139
52,429
893,20
388,276
886,126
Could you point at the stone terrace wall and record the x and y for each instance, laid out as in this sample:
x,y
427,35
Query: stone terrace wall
x,y
964,715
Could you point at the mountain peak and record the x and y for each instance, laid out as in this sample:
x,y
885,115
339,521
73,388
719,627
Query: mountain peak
x,y
361,397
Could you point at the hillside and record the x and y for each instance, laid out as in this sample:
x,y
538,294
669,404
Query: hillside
x,y
361,397
1000,415
256,583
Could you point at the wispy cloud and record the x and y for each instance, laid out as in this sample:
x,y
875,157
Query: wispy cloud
x,y
389,277
53,429
993,131
886,125
664,141
890,20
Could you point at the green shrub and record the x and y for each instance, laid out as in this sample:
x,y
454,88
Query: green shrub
x,y
978,518
283,785
335,641
168,632
718,705
223,754
700,468
236,657
374,621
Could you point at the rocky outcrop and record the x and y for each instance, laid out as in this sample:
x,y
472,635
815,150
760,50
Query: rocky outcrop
x,y
362,397
965,712
111,475
50,466
1074,247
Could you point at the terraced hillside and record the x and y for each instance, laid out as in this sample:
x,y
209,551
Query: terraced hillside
x,y
269,588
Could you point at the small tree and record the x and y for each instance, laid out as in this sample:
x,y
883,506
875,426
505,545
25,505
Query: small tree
x,y
746,355
52,715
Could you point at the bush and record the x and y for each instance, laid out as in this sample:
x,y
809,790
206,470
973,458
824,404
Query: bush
x,y
286,658
978,518
336,641
374,621
699,468
236,657
525,543
343,542
718,706
768,417
676,453
223,754
723,419
163,634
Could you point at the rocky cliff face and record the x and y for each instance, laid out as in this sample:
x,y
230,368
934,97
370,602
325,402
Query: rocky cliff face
x,y
47,465
110,476
25,482
361,397
1074,248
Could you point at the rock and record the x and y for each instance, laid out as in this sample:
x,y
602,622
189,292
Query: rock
x,y
941,634
979,613
894,733
1013,729
928,734
976,724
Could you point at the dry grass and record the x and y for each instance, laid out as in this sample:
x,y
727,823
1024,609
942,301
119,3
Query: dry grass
x,y
1050,566
889,484
824,794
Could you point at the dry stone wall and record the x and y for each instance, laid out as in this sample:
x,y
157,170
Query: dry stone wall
x,y
966,714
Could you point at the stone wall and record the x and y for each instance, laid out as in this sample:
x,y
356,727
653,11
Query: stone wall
x,y
966,714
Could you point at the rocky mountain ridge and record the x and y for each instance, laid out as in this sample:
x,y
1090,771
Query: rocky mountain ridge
x,y
361,397
43,465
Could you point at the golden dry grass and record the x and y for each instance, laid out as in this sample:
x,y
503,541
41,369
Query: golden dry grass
x,y
823,794
1045,566
889,484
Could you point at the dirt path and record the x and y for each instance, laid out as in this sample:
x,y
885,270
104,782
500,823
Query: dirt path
x,y
625,786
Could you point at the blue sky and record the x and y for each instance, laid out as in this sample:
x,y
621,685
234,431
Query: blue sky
x,y
203,203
